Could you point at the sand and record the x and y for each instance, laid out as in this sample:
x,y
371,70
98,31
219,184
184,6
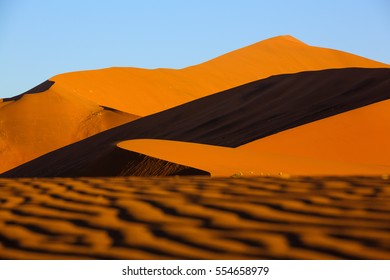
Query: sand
x,y
280,112
361,136
195,218
231,118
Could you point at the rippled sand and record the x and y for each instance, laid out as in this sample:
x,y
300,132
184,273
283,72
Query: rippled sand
x,y
195,218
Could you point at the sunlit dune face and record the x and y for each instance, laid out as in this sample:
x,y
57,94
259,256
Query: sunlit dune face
x,y
42,122
222,161
359,136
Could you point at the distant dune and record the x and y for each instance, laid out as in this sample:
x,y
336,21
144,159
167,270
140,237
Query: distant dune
x,y
144,91
72,106
231,118
36,123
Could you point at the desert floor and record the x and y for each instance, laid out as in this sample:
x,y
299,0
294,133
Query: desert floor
x,y
195,218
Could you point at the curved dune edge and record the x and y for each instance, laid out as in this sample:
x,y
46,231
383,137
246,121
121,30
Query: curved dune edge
x,y
222,161
231,118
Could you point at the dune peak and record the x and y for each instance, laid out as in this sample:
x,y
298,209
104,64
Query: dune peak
x,y
284,38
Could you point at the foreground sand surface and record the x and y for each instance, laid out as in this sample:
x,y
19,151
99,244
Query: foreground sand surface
x,y
195,218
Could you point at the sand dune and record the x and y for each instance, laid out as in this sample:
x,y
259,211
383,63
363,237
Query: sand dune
x,y
231,118
33,124
30,126
223,161
360,136
351,143
146,91
195,218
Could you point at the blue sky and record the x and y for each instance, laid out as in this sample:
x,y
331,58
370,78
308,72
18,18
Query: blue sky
x,y
42,38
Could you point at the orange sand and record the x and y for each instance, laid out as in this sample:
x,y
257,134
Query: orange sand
x,y
361,136
222,161
42,122
71,109
237,117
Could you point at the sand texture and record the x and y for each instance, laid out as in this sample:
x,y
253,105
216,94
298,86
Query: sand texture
x,y
195,218
232,118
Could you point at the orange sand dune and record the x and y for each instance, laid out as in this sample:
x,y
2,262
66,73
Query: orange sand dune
x,y
231,118
195,218
143,91
361,135
33,126
36,123
223,161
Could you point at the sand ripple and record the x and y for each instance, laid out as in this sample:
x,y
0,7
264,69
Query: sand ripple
x,y
195,218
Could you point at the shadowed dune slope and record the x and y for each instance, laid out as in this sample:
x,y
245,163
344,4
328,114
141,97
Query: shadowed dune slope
x,y
146,91
231,118
360,135
46,119
195,218
223,161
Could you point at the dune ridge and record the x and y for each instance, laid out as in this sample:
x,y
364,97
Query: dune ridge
x,y
231,118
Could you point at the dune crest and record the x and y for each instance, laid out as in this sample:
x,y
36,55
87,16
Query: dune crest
x,y
146,91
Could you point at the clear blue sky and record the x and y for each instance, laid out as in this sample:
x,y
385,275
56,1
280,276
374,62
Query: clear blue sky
x,y
42,38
